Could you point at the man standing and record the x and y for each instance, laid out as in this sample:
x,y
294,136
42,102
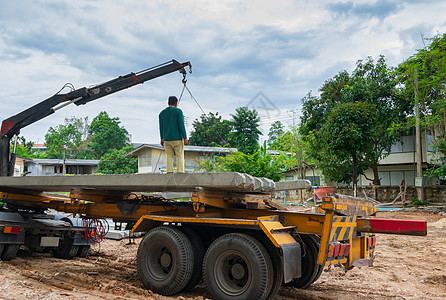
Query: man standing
x,y
173,134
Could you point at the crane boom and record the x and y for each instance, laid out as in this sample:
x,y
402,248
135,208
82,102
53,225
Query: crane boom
x,y
14,124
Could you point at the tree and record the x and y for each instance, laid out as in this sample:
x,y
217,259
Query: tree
x,y
24,149
423,76
275,132
106,134
374,83
259,164
245,134
63,141
345,142
294,149
210,131
114,162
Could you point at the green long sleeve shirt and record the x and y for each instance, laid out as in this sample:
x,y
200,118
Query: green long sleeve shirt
x,y
171,123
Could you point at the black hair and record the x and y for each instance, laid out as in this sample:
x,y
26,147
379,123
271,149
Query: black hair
x,y
172,100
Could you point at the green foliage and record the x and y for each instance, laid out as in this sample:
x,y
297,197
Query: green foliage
x,y
211,131
114,162
373,83
64,138
245,135
424,78
106,134
418,202
275,132
24,149
344,145
259,164
210,165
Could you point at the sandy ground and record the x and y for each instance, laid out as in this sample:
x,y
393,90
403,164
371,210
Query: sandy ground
x,y
405,267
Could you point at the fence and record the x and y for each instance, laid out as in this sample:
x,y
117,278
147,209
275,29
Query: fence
x,y
435,194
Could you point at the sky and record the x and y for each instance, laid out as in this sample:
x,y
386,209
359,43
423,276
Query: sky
x,y
266,55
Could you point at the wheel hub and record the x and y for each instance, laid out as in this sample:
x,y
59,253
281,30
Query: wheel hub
x,y
237,271
165,260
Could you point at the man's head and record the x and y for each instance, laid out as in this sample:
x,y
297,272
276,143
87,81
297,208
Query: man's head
x,y
173,101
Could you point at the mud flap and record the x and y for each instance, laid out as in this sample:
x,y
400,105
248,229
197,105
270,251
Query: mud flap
x,y
292,261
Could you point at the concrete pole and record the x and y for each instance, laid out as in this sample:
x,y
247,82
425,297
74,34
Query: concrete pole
x,y
419,179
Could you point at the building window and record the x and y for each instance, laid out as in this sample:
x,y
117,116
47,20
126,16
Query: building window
x,y
399,177
145,159
289,178
315,180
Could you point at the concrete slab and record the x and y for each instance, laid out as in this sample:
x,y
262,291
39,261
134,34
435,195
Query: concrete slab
x,y
186,182
117,234
292,185
176,195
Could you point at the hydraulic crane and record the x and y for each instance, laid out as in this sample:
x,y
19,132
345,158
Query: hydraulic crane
x,y
34,227
11,127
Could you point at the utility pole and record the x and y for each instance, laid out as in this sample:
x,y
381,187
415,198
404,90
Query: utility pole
x,y
419,178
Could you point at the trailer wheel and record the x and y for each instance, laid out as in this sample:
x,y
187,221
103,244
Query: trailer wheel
x,y
310,268
278,273
317,242
1,248
165,260
9,251
83,251
66,249
237,266
198,252
277,264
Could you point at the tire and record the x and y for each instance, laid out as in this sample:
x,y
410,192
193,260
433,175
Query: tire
x,y
83,251
310,268
277,265
198,252
1,248
165,260
237,266
316,240
9,251
66,249
278,273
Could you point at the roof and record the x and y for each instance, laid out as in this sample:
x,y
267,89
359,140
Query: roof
x,y
186,149
38,146
72,162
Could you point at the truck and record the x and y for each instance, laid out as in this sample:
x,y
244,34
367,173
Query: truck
x,y
230,234
38,230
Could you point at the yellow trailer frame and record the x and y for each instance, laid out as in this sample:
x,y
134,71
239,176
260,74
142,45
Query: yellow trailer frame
x,y
342,227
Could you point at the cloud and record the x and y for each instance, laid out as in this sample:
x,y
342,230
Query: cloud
x,y
283,49
377,9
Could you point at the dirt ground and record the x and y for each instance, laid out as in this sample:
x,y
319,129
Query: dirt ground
x,y
405,267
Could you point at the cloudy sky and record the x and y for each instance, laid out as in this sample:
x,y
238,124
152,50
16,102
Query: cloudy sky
x,y
263,54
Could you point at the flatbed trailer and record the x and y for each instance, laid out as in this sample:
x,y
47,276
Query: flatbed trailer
x,y
242,244
230,233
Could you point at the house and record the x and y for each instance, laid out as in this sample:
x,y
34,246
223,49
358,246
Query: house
x,y
19,166
38,148
48,167
398,166
152,157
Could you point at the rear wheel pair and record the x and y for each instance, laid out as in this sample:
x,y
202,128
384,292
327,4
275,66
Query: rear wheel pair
x,y
238,266
311,271
235,266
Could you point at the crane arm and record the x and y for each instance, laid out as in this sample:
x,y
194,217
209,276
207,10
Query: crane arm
x,y
14,124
